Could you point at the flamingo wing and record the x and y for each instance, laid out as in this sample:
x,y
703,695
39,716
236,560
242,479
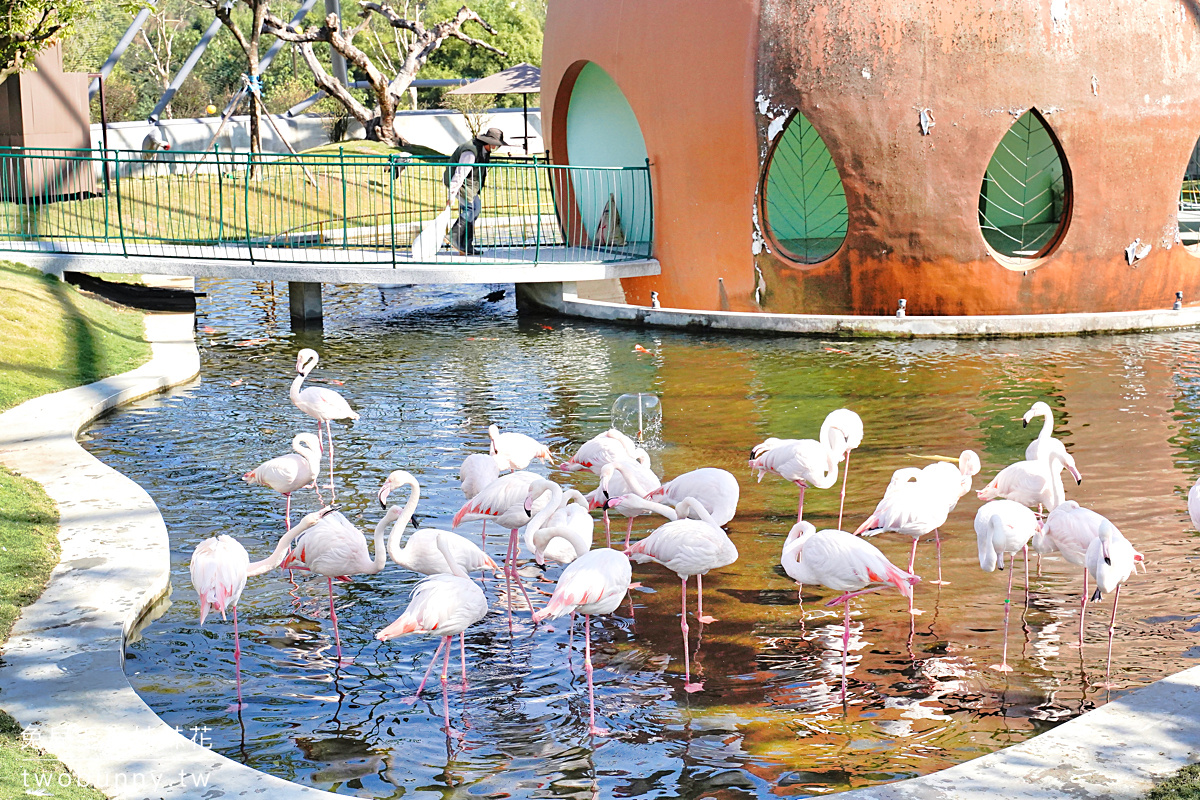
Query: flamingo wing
x,y
218,570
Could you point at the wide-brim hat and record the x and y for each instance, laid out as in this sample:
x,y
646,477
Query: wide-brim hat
x,y
493,136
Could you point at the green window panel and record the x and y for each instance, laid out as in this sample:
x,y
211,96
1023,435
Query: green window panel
x,y
1025,191
804,202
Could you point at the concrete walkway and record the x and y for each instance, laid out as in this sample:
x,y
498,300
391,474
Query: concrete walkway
x,y
62,675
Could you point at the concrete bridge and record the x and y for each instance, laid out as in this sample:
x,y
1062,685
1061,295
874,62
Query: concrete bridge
x,y
325,218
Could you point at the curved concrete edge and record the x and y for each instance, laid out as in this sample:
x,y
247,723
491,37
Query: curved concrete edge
x,y
1118,752
61,675
561,298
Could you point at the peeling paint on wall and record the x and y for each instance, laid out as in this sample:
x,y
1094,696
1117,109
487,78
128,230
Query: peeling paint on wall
x,y
775,127
1059,15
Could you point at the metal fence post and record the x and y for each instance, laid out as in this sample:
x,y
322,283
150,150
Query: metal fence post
x,y
650,201
246,183
120,215
220,196
537,225
345,209
392,204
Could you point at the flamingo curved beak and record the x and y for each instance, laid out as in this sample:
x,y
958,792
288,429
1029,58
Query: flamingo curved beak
x,y
384,491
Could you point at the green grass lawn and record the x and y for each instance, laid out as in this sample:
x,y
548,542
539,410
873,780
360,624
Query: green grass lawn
x,y
52,337
1183,785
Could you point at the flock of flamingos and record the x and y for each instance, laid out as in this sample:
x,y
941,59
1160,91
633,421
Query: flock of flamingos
x,y
558,526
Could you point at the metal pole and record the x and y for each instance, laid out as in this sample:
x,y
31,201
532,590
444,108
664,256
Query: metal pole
x,y
337,61
187,67
525,114
121,47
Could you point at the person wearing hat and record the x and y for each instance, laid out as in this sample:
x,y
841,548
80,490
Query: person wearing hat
x,y
466,183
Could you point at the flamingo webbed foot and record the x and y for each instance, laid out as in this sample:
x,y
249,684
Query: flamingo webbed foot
x,y
635,585
235,708
916,612
691,687
706,619
939,583
596,730
454,733
1001,668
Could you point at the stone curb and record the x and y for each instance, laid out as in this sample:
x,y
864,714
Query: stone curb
x,y
62,675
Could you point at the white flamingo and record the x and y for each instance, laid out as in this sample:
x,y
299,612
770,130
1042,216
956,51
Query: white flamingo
x,y
952,476
845,563
423,551
850,425
1033,483
1194,505
563,530
911,505
716,489
446,605
604,448
1111,559
1004,527
620,478
219,568
687,547
1045,443
804,462
475,473
319,403
631,506
290,473
514,451
594,583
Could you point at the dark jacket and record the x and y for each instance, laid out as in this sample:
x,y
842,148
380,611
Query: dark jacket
x,y
478,174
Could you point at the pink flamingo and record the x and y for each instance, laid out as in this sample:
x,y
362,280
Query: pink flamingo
x,y
1070,529
503,501
845,563
1045,443
292,472
604,448
446,605
514,451
952,476
219,568
476,472
631,506
594,583
563,530
687,547
619,478
321,404
423,552
913,506
336,549
1111,559
850,425
716,489
804,462
1004,527
1033,483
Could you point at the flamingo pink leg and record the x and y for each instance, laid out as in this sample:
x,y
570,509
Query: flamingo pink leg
x,y
587,666
237,661
288,514
937,537
462,654
432,661
1083,609
845,646
845,477
514,548
1112,626
329,434
688,686
508,555
912,560
700,603
333,616
450,731
607,530
800,504
1003,665
628,533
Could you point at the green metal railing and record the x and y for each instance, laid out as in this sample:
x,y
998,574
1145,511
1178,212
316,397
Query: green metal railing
x,y
336,207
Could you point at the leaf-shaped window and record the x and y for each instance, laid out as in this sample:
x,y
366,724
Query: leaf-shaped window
x,y
1025,200
1189,204
804,203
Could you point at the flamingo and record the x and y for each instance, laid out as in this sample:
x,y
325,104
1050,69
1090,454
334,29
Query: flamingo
x,y
618,478
851,427
1004,527
594,583
804,462
1111,559
476,472
952,475
292,472
423,551
446,605
687,547
335,548
1194,504
319,403
845,563
631,506
563,530
1033,483
1045,443
503,502
514,451
612,445
717,489
219,568
911,505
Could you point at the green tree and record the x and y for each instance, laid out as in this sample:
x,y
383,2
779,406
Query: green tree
x,y
519,35
29,26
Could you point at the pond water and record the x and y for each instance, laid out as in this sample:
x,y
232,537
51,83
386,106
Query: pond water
x,y
429,369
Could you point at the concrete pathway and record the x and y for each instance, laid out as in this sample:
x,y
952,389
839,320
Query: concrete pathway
x,y
62,675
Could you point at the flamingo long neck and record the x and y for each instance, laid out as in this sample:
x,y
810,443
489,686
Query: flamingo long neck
x,y
542,517
276,558
658,508
443,545
393,545
313,457
691,505
577,496
632,479
1047,425
297,382
543,537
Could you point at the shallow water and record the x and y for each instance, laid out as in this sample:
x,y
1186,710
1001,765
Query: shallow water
x,y
428,369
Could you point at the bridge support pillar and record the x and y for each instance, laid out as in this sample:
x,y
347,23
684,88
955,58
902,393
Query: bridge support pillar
x,y
305,302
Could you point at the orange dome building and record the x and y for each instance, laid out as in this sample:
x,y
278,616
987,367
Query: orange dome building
x,y
827,157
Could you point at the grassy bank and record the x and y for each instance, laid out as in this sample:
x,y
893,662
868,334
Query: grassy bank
x,y
52,337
